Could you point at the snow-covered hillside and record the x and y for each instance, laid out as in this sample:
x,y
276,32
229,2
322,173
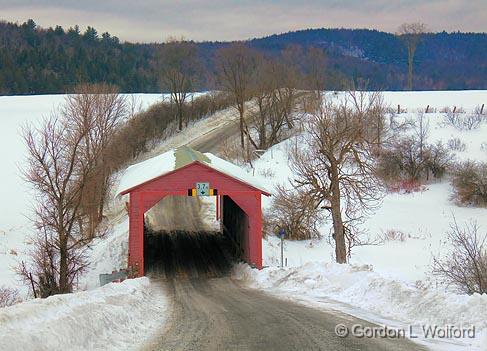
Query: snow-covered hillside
x,y
423,216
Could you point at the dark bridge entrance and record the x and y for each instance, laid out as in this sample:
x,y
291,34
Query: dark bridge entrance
x,y
186,254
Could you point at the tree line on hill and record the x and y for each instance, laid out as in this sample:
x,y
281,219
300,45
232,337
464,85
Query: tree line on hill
x,y
35,60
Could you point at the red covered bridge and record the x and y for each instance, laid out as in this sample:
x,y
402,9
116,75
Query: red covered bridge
x,y
183,172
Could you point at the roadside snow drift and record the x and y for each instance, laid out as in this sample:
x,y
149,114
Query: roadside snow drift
x,y
373,297
113,317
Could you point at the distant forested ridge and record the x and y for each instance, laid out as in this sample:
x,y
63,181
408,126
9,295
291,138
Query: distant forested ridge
x,y
36,60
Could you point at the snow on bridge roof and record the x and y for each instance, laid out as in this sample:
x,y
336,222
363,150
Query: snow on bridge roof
x,y
177,158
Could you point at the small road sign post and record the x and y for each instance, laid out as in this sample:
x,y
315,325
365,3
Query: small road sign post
x,y
282,233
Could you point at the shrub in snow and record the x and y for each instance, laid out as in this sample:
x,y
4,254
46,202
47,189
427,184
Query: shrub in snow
x,y
438,159
8,297
465,266
464,121
296,212
401,161
267,173
479,110
231,149
469,180
408,160
405,186
394,235
472,121
455,144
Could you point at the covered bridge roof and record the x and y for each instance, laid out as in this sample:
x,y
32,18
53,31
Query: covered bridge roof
x,y
174,159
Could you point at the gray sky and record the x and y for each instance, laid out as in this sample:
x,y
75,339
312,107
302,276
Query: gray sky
x,y
156,20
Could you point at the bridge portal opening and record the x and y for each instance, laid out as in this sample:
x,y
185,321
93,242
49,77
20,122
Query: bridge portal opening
x,y
193,237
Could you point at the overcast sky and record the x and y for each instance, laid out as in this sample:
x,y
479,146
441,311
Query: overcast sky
x,y
156,20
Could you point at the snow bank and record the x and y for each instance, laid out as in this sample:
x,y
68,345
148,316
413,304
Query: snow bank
x,y
107,254
327,285
114,317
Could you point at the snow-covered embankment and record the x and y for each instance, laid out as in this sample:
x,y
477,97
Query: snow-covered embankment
x,y
113,317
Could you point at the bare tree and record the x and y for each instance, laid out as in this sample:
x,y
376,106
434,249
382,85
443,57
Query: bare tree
x,y
57,172
465,266
315,70
370,105
422,132
335,167
411,33
236,70
275,96
178,60
96,112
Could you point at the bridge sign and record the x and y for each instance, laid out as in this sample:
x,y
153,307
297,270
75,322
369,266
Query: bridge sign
x,y
202,189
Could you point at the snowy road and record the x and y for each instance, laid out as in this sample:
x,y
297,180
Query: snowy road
x,y
217,314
